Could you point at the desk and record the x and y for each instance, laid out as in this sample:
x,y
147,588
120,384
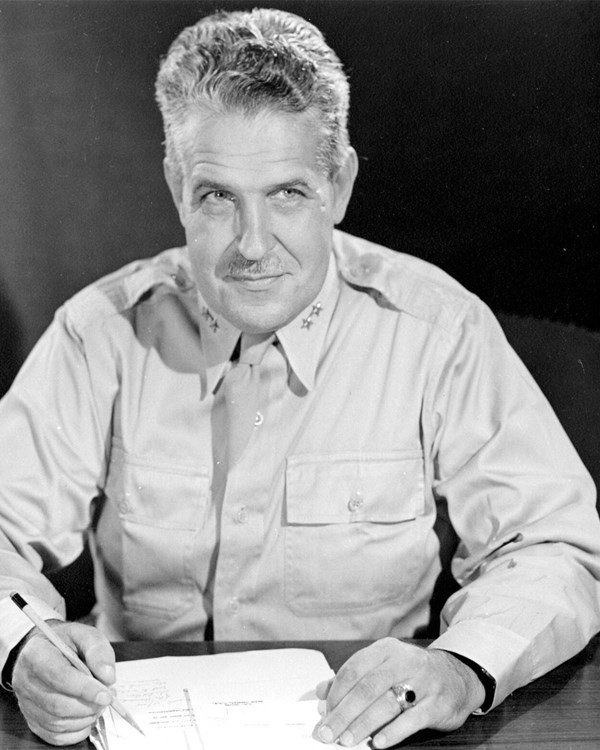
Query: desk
x,y
560,710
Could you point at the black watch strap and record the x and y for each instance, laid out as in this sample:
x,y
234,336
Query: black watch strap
x,y
486,679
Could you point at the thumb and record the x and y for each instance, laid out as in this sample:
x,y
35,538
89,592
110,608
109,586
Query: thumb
x,y
95,650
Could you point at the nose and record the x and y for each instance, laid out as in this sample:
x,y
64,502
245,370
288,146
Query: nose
x,y
254,236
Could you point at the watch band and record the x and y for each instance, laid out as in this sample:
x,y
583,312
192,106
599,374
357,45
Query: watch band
x,y
486,679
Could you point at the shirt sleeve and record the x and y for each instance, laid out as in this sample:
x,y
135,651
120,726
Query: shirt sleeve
x,y
52,459
523,507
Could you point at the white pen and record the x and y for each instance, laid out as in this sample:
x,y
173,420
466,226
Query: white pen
x,y
68,653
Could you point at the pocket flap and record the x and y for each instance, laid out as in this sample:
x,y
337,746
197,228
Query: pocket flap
x,y
164,495
351,487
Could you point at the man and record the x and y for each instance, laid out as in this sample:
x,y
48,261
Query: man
x,y
285,483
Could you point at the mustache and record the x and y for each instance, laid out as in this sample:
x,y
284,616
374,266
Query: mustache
x,y
268,265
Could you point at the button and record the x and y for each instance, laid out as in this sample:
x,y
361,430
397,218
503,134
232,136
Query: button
x,y
180,279
356,502
233,605
258,419
242,515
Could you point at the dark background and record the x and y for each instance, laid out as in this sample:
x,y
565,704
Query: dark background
x,y
476,124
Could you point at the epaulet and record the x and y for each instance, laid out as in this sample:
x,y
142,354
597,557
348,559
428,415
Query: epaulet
x,y
399,281
123,289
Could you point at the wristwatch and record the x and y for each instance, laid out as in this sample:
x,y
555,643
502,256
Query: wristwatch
x,y
486,679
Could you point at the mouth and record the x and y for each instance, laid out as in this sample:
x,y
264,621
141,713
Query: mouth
x,y
254,281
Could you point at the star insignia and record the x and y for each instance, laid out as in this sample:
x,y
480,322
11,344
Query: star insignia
x,y
315,312
206,313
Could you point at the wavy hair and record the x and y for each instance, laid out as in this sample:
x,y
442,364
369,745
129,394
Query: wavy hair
x,y
249,61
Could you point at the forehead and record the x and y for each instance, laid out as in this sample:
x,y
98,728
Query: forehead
x,y
234,144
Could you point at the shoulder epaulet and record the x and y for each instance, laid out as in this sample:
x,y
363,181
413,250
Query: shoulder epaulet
x,y
123,289
399,281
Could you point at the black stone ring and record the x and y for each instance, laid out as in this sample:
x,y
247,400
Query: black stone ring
x,y
404,695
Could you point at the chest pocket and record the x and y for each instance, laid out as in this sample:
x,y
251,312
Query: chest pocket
x,y
161,510
353,530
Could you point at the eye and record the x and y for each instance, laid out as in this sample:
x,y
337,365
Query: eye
x,y
289,195
216,202
217,196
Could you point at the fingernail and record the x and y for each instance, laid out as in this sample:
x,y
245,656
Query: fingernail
x,y
380,740
325,734
347,738
103,698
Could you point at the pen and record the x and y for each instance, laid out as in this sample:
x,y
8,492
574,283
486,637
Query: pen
x,y
68,653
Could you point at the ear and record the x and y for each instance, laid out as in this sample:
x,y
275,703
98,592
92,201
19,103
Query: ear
x,y
343,183
175,182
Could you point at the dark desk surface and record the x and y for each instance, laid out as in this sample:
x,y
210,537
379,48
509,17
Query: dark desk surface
x,y
560,710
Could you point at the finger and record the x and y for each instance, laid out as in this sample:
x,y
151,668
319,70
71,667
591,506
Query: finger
x,y
57,714
58,723
436,707
43,674
61,738
410,721
364,708
42,703
355,668
323,688
378,714
60,727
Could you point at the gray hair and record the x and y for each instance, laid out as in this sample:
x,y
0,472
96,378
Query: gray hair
x,y
249,61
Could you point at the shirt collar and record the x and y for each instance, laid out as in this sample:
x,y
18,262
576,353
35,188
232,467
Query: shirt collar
x,y
218,339
302,339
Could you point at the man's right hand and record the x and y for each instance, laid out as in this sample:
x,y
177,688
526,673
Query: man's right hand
x,y
60,703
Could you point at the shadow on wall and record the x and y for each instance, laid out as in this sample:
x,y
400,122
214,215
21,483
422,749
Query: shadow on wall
x,y
11,349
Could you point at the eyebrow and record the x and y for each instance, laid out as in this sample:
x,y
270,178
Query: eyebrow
x,y
211,185
207,184
292,184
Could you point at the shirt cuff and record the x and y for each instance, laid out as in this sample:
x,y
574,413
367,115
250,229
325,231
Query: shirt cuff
x,y
501,653
15,625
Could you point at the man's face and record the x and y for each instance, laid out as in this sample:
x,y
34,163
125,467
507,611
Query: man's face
x,y
258,213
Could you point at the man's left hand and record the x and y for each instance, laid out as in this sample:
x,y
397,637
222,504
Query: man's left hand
x,y
359,701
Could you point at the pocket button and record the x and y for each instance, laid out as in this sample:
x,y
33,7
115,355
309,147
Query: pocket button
x,y
356,502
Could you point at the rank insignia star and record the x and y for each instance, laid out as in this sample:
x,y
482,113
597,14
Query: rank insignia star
x,y
314,313
207,315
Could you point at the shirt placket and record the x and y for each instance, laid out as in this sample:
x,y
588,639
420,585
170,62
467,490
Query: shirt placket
x,y
242,523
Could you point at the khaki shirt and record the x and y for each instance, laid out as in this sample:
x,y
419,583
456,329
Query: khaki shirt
x,y
392,396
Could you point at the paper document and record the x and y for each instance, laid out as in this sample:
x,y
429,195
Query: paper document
x,y
255,700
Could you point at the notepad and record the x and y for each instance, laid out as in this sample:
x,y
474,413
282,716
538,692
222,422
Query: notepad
x,y
253,699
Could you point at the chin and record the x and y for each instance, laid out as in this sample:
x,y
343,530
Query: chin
x,y
261,321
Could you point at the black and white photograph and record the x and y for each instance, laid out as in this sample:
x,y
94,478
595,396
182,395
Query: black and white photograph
x,y
299,374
